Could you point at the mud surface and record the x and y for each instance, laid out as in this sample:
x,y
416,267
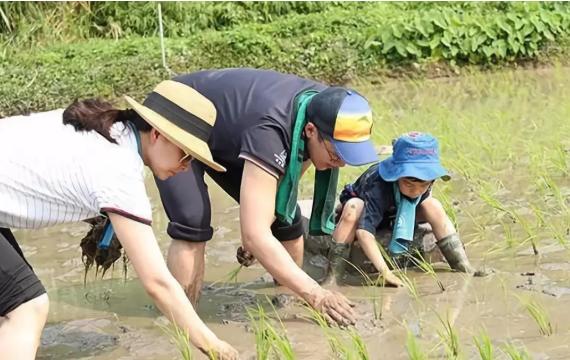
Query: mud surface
x,y
114,319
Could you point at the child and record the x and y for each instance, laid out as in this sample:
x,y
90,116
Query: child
x,y
399,185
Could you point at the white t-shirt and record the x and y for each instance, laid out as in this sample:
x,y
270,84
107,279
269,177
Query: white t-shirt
x,y
51,174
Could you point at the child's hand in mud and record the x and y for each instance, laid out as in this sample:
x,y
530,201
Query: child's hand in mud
x,y
391,280
334,306
244,257
220,350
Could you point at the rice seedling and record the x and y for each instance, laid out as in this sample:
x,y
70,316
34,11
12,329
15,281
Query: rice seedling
x,y
230,277
491,200
409,283
426,267
515,353
268,340
548,184
337,347
539,214
558,160
413,348
558,234
530,232
449,338
539,314
372,290
484,346
479,227
509,238
180,338
359,347
443,197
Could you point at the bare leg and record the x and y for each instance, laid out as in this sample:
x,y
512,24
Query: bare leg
x,y
186,263
432,211
21,329
345,231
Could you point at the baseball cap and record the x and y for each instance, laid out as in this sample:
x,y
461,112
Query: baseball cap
x,y
345,116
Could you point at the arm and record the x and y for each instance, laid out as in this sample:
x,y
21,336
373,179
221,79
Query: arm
x,y
143,251
257,207
370,247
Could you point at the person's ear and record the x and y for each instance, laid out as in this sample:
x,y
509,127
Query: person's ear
x,y
310,130
154,135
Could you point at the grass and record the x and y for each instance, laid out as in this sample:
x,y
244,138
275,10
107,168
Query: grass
x,y
539,314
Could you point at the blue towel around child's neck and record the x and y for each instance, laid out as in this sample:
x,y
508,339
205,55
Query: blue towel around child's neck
x,y
403,232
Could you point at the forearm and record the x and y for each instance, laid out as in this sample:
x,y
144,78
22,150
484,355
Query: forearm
x,y
277,261
143,251
371,250
171,300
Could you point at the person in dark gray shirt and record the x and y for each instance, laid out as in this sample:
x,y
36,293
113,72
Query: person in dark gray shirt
x,y
253,138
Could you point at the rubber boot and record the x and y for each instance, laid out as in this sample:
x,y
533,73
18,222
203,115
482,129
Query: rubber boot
x,y
454,252
338,259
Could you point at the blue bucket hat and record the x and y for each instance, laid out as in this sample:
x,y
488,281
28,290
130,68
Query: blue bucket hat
x,y
415,155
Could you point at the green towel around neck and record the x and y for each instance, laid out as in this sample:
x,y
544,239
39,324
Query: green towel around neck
x,y
324,195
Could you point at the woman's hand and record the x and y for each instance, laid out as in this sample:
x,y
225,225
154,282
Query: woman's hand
x,y
219,350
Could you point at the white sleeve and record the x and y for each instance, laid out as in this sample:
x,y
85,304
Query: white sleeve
x,y
121,189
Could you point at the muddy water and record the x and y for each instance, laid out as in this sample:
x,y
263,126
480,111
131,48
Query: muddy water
x,y
114,319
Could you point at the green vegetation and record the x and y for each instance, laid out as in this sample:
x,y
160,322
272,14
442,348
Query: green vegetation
x,y
539,314
515,353
355,349
484,346
180,339
270,343
43,59
413,348
449,338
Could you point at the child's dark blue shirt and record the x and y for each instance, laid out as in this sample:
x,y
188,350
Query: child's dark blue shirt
x,y
378,197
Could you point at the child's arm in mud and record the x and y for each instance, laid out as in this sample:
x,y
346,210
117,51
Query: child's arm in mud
x,y
142,249
371,250
257,208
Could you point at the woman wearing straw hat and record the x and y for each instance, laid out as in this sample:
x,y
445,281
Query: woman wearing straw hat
x,y
270,128
92,163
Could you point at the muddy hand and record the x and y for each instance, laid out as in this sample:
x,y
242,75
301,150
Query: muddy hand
x,y
335,307
392,280
244,257
221,350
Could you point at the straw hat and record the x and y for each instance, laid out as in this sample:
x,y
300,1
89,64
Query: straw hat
x,y
183,116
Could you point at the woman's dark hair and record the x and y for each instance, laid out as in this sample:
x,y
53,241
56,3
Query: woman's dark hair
x,y
99,115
